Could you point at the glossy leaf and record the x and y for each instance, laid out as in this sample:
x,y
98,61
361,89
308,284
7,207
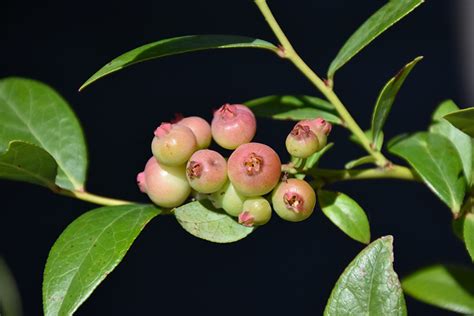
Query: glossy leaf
x,y
387,98
28,163
463,120
360,161
461,142
379,22
34,113
202,220
313,160
378,142
87,251
468,233
177,45
369,286
445,286
346,214
436,160
443,109
293,107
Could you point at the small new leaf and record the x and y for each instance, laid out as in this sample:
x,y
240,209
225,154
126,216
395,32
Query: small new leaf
x,y
462,120
177,45
387,98
379,22
369,285
346,214
293,107
204,221
445,286
87,251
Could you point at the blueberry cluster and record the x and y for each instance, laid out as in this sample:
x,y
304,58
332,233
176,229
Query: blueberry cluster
x,y
241,185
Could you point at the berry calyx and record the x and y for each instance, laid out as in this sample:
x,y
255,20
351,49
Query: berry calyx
x,y
228,199
166,186
294,200
256,211
206,171
320,127
254,169
173,144
233,125
302,141
201,129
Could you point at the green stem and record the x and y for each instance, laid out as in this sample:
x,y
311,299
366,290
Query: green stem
x,y
93,198
392,172
287,51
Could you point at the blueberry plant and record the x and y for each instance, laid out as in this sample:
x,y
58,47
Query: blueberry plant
x,y
224,199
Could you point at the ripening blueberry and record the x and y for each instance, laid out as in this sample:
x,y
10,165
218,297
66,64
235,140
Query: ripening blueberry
x,y
302,142
200,128
254,169
173,144
233,125
320,127
206,171
166,186
294,200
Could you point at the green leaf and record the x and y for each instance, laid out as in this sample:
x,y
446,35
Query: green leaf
x,y
178,45
204,221
463,120
28,163
378,142
369,286
443,109
293,107
313,160
445,286
10,300
379,22
34,113
346,214
468,234
87,251
461,142
359,162
436,160
387,98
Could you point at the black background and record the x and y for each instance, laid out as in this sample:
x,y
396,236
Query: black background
x,y
284,268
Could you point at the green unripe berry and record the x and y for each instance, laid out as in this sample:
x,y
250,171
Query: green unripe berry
x,y
294,200
256,211
173,144
228,199
302,142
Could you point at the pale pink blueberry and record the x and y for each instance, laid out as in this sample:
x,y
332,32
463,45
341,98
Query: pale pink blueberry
x,y
206,171
294,200
173,144
233,125
200,128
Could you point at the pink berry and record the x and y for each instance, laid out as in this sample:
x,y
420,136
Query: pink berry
x,y
254,169
320,127
233,125
166,186
294,200
302,142
200,128
206,171
173,144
